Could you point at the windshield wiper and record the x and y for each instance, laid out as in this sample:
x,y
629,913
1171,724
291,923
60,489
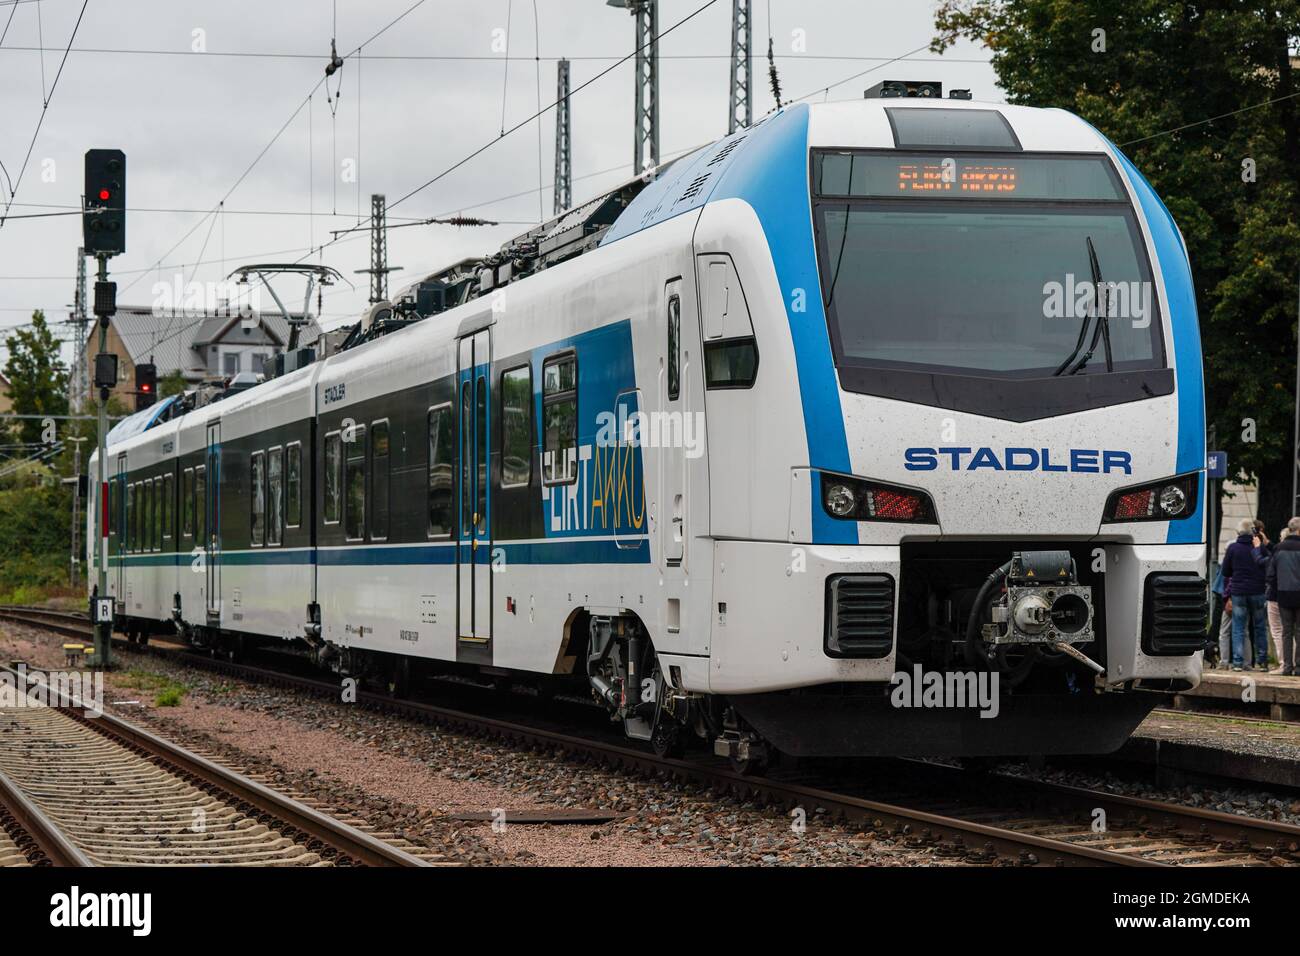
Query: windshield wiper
x,y
1102,329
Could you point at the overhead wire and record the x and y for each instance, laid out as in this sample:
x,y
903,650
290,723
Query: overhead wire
x,y
45,107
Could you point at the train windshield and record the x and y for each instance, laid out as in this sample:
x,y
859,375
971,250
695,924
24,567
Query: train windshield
x,y
983,267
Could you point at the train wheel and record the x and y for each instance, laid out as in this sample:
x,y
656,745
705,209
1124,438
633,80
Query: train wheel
x,y
232,647
668,738
399,678
749,766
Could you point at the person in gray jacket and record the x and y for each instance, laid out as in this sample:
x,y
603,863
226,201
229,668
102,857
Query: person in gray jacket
x,y
1283,577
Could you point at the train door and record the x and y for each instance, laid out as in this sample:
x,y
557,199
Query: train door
x,y
118,547
673,403
212,523
473,472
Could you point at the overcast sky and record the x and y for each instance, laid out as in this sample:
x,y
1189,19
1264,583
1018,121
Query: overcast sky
x,y
432,90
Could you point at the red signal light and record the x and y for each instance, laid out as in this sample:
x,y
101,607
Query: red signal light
x,y
145,387
103,195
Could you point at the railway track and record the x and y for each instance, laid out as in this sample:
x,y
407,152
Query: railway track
x,y
80,789
961,816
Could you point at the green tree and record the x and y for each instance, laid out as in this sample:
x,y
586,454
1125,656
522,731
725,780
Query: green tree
x,y
38,379
171,384
1202,97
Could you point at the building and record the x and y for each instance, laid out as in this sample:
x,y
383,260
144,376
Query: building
x,y
6,402
202,347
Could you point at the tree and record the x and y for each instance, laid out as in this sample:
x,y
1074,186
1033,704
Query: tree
x,y
38,380
171,384
1202,97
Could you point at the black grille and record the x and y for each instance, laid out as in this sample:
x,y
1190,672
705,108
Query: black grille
x,y
859,615
1175,614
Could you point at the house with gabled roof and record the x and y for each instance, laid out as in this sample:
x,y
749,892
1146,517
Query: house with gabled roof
x,y
201,347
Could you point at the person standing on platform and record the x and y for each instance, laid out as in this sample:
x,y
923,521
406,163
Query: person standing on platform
x,y
1262,551
1284,580
1217,646
1245,582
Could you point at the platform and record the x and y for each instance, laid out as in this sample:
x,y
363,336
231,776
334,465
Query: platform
x,y
1271,694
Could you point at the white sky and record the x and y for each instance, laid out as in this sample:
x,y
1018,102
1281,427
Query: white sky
x,y
192,123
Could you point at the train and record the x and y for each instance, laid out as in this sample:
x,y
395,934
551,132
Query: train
x,y
876,428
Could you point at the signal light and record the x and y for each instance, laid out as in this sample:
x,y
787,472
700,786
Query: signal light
x,y
146,385
103,223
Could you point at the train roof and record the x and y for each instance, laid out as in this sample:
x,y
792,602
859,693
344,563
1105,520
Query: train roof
x,y
691,181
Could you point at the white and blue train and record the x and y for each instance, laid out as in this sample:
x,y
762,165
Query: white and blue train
x,y
873,392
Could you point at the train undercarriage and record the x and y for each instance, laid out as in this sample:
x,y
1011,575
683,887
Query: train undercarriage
x,y
994,655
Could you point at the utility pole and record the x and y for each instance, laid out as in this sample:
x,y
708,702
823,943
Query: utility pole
x,y
379,267
741,114
79,382
563,143
76,502
1295,438
646,111
105,309
103,228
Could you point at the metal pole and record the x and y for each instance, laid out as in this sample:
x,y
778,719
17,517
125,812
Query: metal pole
x,y
646,138
563,140
103,630
1295,437
76,502
741,112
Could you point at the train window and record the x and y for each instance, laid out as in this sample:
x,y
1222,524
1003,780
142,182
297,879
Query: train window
x,y
442,462
129,527
560,419
380,457
167,491
466,461
112,506
354,488
155,497
732,363
293,485
482,454
517,427
201,503
333,461
674,346
274,495
187,502
257,498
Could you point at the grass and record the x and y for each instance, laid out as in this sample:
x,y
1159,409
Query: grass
x,y
169,693
169,696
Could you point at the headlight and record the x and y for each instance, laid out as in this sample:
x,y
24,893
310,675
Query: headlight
x,y
854,499
840,500
1173,498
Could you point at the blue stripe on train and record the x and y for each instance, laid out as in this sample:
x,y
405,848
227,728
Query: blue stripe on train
x,y
1177,272
560,551
771,174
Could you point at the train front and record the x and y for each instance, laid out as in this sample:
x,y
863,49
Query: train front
x,y
996,539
